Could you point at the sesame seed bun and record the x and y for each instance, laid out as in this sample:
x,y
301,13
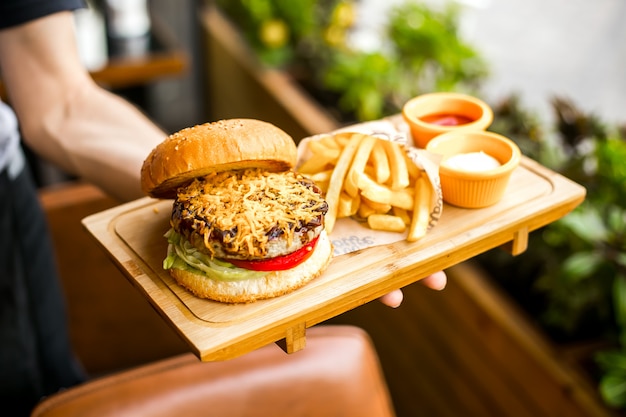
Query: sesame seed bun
x,y
213,147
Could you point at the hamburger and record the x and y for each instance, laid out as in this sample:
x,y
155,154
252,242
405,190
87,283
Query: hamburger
x,y
244,225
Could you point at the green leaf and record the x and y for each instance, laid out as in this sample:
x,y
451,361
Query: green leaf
x,y
619,302
587,223
612,384
616,219
613,389
581,265
612,360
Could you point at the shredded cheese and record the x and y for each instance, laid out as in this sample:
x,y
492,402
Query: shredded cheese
x,y
246,207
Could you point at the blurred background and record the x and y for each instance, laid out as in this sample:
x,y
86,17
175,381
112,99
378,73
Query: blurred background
x,y
536,50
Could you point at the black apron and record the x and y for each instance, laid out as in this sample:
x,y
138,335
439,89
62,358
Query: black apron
x,y
35,355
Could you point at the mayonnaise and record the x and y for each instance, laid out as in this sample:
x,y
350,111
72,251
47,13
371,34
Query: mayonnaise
x,y
472,161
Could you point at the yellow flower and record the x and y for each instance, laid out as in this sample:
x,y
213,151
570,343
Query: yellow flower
x,y
343,14
335,36
274,33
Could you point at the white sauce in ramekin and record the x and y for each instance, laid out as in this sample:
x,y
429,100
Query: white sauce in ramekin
x,y
471,161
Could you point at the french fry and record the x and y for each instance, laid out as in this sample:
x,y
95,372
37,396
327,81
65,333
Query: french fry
x,y
370,171
380,162
397,164
386,222
380,208
337,179
342,139
374,191
403,199
324,156
371,179
321,176
421,210
325,147
358,165
329,142
323,185
315,164
348,205
321,179
356,203
413,170
402,213
365,210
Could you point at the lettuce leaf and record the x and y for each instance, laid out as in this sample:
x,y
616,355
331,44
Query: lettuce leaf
x,y
182,255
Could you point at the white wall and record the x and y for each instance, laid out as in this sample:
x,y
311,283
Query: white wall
x,y
539,48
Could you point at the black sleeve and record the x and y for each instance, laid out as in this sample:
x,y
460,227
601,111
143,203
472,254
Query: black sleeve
x,y
16,12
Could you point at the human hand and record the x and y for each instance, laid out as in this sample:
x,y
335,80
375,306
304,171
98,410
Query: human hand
x,y
436,281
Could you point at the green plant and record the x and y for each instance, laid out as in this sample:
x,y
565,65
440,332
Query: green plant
x,y
430,51
576,266
421,51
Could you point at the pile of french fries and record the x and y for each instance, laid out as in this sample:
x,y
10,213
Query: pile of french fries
x,y
370,178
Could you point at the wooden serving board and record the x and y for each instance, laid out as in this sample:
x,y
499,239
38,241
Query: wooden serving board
x,y
133,236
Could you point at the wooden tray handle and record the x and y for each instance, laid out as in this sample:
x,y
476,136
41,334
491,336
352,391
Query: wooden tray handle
x,y
295,339
519,244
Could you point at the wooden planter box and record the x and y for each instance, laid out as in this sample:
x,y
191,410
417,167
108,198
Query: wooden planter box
x,y
465,351
469,350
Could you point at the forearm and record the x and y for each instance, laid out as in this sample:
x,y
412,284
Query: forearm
x,y
65,117
105,141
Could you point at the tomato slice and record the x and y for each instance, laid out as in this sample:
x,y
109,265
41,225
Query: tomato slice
x,y
279,263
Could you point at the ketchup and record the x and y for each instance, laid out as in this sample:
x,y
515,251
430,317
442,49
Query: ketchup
x,y
445,119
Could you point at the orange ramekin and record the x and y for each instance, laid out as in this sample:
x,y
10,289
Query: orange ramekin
x,y
475,189
449,103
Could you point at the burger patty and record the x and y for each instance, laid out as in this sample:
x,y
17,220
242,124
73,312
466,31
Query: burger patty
x,y
249,214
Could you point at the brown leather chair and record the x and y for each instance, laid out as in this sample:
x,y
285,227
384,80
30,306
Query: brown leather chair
x,y
337,374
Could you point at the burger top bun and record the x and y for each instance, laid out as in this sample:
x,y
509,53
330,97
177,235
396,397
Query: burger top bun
x,y
213,147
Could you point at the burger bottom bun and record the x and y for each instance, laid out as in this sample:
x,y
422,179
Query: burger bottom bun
x,y
270,285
